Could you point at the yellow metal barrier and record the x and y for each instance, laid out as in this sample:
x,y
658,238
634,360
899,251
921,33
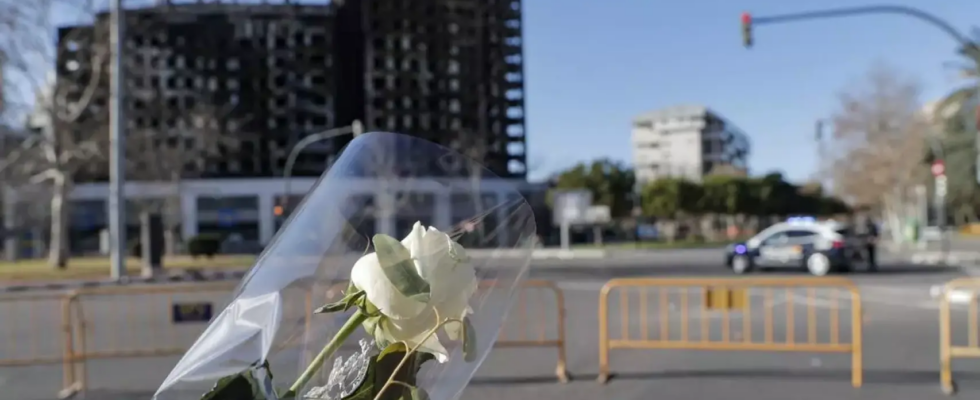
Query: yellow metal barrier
x,y
723,299
36,330
966,288
119,310
970,229
531,314
171,317
528,325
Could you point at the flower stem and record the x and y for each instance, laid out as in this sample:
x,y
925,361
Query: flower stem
x,y
345,331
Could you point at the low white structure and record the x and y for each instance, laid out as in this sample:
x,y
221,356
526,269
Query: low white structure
x,y
236,203
686,141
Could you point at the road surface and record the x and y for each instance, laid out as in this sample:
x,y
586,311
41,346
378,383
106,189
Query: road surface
x,y
901,343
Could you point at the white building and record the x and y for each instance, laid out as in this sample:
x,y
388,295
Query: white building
x,y
246,207
685,141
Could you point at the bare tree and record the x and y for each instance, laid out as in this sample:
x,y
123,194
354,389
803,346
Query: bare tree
x,y
68,109
179,149
878,143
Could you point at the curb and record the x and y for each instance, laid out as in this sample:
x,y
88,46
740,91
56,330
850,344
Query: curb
x,y
193,275
954,296
185,276
938,257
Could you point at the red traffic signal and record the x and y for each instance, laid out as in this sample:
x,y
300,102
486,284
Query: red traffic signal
x,y
747,29
277,211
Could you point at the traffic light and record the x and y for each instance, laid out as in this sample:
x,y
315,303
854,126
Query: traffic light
x,y
277,211
747,30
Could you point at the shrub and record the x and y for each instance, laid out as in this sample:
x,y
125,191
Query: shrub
x,y
207,245
135,248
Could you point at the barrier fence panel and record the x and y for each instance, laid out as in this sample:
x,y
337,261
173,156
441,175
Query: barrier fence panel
x,y
140,321
159,321
35,330
807,314
537,319
957,338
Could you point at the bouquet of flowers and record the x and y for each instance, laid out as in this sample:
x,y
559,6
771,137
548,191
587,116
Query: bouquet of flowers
x,y
337,308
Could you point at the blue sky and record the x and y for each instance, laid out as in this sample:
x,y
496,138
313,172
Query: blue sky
x,y
593,65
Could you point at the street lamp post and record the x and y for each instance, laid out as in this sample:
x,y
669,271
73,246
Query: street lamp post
x,y
355,129
117,136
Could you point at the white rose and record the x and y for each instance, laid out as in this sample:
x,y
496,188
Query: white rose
x,y
444,266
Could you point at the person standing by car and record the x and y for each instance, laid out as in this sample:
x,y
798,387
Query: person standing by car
x,y
868,231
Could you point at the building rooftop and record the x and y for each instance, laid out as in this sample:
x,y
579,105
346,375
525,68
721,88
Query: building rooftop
x,y
684,110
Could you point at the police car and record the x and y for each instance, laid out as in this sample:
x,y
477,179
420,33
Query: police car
x,y
818,247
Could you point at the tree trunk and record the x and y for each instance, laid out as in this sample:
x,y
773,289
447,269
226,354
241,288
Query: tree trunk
x,y
58,250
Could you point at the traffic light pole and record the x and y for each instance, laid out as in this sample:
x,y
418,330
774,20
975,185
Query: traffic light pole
x,y
855,11
968,48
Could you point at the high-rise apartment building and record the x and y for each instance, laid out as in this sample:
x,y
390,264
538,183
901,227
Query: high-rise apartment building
x,y
260,76
448,71
266,75
686,142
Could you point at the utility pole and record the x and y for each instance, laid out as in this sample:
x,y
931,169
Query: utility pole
x,y
117,137
818,137
939,172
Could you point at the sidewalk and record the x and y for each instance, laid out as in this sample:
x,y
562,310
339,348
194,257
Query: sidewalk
x,y
961,250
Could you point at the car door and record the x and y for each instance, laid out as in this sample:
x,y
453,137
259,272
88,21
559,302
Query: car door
x,y
786,248
773,250
803,242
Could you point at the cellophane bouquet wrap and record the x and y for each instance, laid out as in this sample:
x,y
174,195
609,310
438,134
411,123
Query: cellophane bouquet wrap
x,y
390,280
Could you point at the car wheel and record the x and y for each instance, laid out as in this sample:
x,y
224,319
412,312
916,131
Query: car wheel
x,y
741,264
818,264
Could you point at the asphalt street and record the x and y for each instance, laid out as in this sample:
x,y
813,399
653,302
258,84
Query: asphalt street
x,y
900,336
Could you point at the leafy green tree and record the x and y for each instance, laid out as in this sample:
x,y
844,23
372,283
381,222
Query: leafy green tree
x,y
725,194
771,195
959,102
670,201
963,194
611,184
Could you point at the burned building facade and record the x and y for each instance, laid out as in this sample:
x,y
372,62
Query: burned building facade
x,y
267,75
232,86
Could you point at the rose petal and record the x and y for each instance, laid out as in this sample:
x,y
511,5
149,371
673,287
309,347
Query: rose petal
x,y
413,242
415,331
368,276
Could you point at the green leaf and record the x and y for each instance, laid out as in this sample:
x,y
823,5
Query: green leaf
x,y
372,325
393,348
418,393
344,304
382,367
331,308
397,264
242,386
368,308
235,387
406,375
469,341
